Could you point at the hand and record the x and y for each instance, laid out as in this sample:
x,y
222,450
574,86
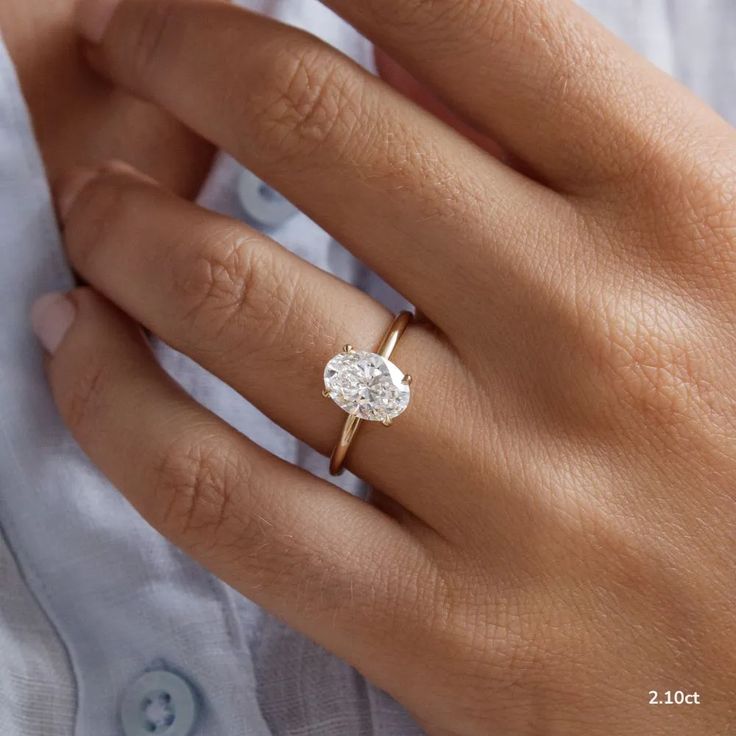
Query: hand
x,y
554,536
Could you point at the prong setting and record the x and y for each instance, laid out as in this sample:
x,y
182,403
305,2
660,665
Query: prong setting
x,y
366,385
406,380
347,348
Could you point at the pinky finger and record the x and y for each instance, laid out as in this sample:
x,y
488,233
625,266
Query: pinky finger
x,y
327,563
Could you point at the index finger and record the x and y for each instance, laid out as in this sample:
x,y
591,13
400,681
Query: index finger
x,y
398,187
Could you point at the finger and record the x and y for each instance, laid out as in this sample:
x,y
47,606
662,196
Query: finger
x,y
541,77
407,194
327,563
254,314
402,81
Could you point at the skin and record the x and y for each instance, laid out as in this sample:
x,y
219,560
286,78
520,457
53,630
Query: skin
x,y
554,534
82,119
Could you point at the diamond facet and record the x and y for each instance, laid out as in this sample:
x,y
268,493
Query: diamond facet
x,y
366,385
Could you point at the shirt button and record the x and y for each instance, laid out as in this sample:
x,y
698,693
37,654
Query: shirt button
x,y
158,702
263,206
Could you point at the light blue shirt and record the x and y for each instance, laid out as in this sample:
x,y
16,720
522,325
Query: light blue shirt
x,y
105,628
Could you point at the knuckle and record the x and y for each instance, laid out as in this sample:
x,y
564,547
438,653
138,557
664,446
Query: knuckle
x,y
489,641
642,369
310,98
700,217
196,484
215,283
234,285
649,362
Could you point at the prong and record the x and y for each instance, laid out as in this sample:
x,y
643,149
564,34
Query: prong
x,y
347,348
325,393
407,379
387,422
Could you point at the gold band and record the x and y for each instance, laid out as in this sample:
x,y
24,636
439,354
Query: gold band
x,y
352,423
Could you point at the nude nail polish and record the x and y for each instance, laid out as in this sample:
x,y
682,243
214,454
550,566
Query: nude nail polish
x,y
51,317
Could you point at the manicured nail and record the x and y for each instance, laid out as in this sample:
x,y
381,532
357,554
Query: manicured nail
x,y
51,317
94,16
70,187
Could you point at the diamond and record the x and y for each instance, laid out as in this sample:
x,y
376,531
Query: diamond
x,y
367,385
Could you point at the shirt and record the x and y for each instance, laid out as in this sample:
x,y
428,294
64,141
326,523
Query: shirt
x,y
107,629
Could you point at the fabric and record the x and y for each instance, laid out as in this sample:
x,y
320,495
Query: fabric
x,y
37,689
37,694
91,598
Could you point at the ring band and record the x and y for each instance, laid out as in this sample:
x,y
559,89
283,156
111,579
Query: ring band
x,y
367,386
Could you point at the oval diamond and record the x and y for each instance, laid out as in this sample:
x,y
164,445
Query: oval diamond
x,y
366,385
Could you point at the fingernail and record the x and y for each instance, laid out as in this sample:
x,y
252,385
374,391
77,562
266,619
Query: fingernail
x,y
51,317
94,16
70,187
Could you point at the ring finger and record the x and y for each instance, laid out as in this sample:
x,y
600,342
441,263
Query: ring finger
x,y
254,314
